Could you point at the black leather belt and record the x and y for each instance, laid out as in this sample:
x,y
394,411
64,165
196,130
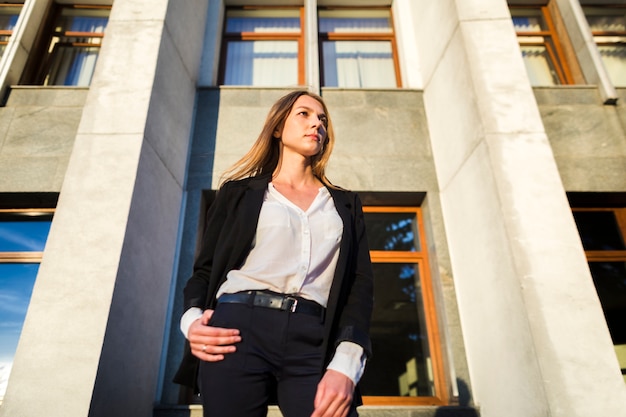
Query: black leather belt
x,y
274,300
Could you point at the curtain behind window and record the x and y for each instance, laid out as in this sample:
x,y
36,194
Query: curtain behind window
x,y
73,60
262,63
610,35
357,52
357,64
262,47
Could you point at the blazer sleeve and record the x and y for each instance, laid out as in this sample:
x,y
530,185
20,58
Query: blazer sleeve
x,y
196,289
355,318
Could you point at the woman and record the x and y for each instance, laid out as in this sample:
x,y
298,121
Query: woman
x,y
280,300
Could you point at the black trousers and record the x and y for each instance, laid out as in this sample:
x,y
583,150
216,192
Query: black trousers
x,y
280,355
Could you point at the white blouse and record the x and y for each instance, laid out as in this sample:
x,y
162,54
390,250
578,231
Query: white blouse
x,y
294,251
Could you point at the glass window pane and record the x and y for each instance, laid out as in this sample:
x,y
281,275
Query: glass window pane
x,y
610,281
354,21
72,58
527,23
614,58
23,236
358,64
16,286
539,66
72,65
609,29
8,17
260,21
402,364
392,231
262,63
82,20
599,230
605,20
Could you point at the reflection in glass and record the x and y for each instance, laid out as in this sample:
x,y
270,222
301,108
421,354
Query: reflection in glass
x,y
24,235
402,364
16,286
610,281
599,230
392,231
614,58
608,26
8,19
539,66
537,46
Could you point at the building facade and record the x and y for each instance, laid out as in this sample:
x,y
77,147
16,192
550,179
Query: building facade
x,y
487,140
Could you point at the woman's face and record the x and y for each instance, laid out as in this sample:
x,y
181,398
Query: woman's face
x,y
304,130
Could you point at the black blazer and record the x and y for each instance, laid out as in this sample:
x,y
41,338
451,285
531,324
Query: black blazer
x,y
230,229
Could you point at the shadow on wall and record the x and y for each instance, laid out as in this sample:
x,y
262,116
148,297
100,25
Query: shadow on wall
x,y
464,409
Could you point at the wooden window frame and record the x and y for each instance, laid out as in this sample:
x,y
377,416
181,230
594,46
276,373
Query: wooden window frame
x,y
360,36
419,258
607,255
267,36
552,43
40,59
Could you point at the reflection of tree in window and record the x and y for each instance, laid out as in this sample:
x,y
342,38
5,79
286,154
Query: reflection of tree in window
x,y
602,232
402,365
392,231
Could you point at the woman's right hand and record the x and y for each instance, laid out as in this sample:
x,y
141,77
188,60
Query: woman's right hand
x,y
210,343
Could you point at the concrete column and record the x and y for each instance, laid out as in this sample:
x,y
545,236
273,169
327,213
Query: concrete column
x,y
535,335
91,342
311,46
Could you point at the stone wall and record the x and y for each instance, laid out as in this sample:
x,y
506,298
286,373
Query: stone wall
x,y
37,131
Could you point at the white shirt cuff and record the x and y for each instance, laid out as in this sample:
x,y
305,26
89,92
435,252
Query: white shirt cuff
x,y
350,360
191,315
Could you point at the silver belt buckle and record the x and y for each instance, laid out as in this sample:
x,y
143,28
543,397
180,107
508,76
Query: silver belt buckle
x,y
294,305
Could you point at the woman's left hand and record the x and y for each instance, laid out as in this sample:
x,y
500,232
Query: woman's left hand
x,y
334,395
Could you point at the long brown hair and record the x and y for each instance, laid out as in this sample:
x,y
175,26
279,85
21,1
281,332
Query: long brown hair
x,y
263,156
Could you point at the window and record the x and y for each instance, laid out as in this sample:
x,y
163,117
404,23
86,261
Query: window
x,y
70,46
407,365
265,47
23,234
357,48
603,234
9,12
608,26
542,52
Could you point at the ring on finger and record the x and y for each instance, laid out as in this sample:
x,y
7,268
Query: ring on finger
x,y
204,348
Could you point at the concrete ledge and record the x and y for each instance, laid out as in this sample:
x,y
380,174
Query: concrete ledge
x,y
568,94
28,95
364,411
